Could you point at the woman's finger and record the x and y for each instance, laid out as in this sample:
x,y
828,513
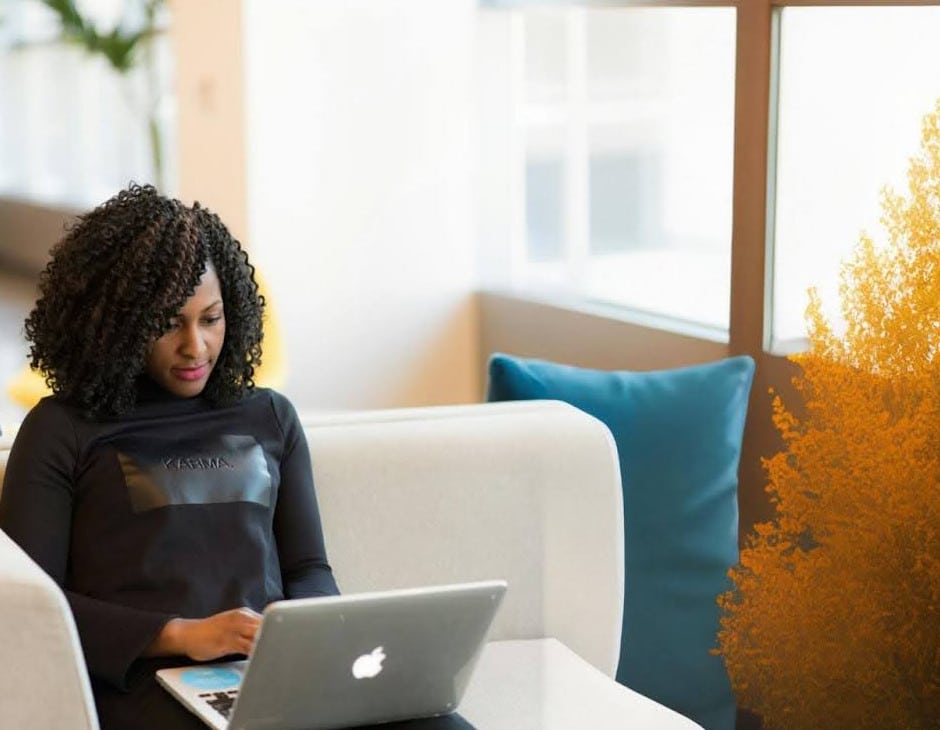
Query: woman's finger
x,y
244,646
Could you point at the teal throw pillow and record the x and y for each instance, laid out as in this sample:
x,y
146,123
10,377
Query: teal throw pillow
x,y
678,433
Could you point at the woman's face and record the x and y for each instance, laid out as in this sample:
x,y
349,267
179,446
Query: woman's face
x,y
182,359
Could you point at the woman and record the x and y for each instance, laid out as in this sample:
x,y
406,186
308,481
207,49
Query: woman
x,y
168,496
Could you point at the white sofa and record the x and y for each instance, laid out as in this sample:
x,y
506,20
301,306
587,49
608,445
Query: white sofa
x,y
528,492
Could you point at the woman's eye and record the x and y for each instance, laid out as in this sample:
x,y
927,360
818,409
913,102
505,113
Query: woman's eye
x,y
211,320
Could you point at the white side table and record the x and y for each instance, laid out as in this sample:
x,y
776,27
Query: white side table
x,y
541,684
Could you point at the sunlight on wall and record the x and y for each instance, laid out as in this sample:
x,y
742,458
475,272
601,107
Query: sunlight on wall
x,y
359,156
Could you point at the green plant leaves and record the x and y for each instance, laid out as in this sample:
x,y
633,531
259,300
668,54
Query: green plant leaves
x,y
118,46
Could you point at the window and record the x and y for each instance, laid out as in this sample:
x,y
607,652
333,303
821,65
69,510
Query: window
x,y
73,130
630,181
625,117
853,85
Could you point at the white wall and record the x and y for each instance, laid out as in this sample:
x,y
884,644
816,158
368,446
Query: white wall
x,y
359,186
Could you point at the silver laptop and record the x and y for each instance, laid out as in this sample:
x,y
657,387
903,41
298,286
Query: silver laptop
x,y
348,660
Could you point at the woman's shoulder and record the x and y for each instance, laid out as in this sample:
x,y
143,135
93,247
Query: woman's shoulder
x,y
259,395
278,403
53,420
51,411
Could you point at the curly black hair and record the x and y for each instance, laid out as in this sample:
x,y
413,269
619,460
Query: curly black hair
x,y
112,286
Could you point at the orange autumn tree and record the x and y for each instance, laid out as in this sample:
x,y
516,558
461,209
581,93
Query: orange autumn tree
x,y
834,618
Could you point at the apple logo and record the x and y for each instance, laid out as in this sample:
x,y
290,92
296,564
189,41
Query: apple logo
x,y
368,665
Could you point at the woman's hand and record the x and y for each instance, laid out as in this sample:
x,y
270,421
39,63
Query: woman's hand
x,y
228,632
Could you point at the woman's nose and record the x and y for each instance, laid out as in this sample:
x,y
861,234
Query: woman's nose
x,y
193,343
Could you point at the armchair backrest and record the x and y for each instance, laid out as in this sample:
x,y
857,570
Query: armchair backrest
x,y
529,492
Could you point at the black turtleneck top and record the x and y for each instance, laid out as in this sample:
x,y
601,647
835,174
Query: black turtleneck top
x,y
178,508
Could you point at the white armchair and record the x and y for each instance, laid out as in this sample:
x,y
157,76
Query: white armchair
x,y
528,492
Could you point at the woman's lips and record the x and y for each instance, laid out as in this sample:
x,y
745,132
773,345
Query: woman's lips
x,y
190,374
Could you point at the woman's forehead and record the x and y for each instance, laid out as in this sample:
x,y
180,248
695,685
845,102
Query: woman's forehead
x,y
207,294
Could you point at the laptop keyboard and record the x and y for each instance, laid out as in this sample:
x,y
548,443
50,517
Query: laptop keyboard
x,y
221,702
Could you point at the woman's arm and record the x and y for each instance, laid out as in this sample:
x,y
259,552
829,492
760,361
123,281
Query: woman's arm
x,y
228,632
305,570
36,512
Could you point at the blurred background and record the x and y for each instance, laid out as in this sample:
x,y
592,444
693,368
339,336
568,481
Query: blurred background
x,y
424,182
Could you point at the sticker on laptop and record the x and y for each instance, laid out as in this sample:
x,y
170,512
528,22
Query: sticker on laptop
x,y
210,678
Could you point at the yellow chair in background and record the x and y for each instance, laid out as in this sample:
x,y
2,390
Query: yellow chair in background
x,y
27,388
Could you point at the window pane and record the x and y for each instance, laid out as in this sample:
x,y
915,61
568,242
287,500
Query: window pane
x,y
106,142
855,83
545,46
624,215
645,196
543,209
621,52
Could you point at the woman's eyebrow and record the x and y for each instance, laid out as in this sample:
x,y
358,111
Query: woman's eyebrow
x,y
216,303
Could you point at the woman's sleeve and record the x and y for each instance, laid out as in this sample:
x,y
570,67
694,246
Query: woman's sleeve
x,y
305,571
36,512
